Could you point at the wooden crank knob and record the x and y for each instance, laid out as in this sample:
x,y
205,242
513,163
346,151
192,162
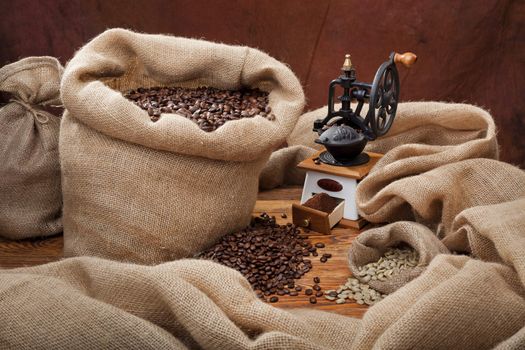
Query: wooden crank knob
x,y
407,59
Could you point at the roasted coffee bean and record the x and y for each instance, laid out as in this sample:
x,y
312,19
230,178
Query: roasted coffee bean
x,y
270,256
294,294
208,107
316,287
317,280
323,259
298,288
319,294
308,291
327,255
333,293
313,300
274,299
319,245
284,216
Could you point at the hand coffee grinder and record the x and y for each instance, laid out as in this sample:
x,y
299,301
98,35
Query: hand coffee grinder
x,y
341,164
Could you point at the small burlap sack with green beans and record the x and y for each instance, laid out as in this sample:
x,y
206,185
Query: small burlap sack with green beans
x,y
30,196
455,301
147,192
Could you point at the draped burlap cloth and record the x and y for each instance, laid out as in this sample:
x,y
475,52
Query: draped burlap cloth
x,y
143,191
452,302
30,197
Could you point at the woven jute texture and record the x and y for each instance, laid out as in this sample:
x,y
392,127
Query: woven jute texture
x,y
474,301
147,192
30,196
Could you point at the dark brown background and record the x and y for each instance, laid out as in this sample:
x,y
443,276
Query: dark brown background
x,y
469,50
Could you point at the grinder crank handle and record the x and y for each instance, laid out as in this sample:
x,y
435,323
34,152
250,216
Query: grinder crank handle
x,y
407,59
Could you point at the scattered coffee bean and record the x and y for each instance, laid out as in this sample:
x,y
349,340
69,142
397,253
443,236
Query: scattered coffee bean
x,y
332,293
319,245
316,287
323,259
327,255
294,294
317,280
270,256
313,300
319,294
284,216
274,299
298,288
208,107
308,291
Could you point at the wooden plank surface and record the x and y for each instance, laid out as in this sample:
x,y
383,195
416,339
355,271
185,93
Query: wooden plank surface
x,y
276,202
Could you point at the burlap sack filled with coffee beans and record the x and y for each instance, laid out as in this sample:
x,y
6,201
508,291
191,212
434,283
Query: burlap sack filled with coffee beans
x,y
143,191
30,196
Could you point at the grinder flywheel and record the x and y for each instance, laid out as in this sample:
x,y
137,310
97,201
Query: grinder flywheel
x,y
345,132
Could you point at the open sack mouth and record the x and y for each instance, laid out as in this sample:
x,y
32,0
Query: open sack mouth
x,y
208,107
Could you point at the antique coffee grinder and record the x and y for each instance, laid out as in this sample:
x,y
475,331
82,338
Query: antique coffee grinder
x,y
341,164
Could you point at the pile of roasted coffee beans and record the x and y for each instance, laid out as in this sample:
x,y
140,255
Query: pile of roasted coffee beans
x,y
208,107
270,256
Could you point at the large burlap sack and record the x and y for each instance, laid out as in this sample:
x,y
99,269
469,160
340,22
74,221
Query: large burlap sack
x,y
143,191
30,196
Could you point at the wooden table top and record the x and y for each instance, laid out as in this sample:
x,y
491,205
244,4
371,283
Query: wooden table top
x,y
275,202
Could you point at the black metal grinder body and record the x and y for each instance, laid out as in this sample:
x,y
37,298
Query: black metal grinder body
x,y
345,133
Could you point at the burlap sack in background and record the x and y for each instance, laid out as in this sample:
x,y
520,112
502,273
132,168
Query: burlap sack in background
x,y
425,123
30,196
281,168
143,191
429,125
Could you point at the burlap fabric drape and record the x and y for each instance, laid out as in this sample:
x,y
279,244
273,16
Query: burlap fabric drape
x,y
30,196
148,192
457,302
